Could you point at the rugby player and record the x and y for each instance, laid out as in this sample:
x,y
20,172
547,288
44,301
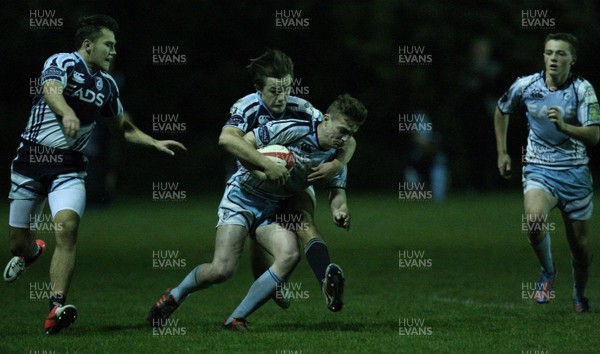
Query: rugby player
x,y
77,91
563,117
250,203
272,75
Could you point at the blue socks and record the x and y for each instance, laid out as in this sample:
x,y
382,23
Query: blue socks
x,y
259,293
186,287
544,254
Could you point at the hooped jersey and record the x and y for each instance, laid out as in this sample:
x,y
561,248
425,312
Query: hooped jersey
x,y
300,137
546,145
91,95
250,112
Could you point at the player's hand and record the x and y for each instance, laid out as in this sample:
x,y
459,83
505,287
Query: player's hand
x,y
276,173
556,117
71,125
169,146
504,165
324,172
342,219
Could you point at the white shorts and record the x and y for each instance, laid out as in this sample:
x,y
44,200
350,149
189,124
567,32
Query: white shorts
x,y
64,192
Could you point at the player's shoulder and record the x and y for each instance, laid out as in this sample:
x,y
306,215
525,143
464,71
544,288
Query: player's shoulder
x,y
111,81
528,80
245,104
294,124
580,83
62,60
291,122
583,89
301,106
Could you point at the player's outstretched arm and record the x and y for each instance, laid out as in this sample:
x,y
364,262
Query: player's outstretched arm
x,y
339,207
326,171
53,95
134,135
589,135
501,128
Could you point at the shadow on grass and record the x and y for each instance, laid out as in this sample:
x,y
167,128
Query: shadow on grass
x,y
109,328
322,326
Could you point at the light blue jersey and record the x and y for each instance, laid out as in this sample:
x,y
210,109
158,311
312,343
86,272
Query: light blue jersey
x,y
546,146
300,137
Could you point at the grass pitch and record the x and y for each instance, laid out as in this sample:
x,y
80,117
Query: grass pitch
x,y
421,277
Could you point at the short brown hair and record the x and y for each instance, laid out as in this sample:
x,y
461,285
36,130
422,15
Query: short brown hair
x,y
350,107
567,37
90,27
272,63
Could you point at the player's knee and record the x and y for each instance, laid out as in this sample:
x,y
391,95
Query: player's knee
x,y
308,229
289,259
66,233
222,272
581,250
537,224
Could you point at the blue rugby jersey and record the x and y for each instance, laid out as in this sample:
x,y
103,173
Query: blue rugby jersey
x,y
300,137
547,146
91,95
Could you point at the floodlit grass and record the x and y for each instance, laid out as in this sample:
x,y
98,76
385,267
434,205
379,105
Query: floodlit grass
x,y
463,294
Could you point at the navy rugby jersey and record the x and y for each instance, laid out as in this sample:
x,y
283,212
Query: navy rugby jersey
x,y
91,95
250,112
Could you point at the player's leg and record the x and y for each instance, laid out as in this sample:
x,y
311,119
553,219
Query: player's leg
x,y
260,261
577,236
67,204
283,245
229,245
315,249
28,198
538,204
330,276
576,195
22,243
228,249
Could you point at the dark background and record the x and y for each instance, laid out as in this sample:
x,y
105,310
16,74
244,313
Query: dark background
x,y
348,46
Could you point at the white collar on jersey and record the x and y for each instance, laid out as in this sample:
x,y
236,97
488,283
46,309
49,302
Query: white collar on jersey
x,y
85,64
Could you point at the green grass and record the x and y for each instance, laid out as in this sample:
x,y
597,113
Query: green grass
x,y
469,300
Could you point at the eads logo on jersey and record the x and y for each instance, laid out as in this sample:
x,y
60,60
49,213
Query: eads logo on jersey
x,y
90,96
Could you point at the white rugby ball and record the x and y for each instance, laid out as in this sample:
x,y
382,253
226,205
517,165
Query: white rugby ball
x,y
279,154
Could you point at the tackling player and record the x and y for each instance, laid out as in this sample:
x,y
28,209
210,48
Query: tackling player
x,y
249,204
563,117
272,73
50,165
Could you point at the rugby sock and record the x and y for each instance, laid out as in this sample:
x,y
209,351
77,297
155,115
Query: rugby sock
x,y
56,299
187,286
580,278
35,253
317,257
544,254
259,293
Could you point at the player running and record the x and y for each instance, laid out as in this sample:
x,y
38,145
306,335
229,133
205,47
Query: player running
x,y
50,165
272,75
563,116
249,204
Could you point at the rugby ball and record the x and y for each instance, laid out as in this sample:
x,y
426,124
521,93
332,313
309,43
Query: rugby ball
x,y
280,155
